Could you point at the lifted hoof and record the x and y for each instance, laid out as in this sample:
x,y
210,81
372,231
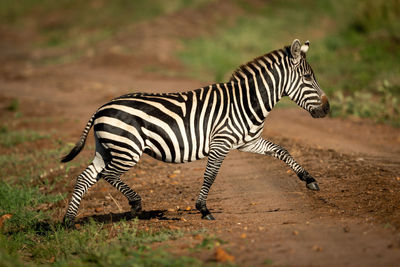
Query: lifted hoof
x,y
313,186
208,217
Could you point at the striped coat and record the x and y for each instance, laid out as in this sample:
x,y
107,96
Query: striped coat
x,y
210,121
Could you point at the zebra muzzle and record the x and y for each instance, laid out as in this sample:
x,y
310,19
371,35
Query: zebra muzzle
x,y
322,110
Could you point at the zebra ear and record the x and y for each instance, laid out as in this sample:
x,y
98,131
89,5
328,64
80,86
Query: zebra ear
x,y
295,49
304,48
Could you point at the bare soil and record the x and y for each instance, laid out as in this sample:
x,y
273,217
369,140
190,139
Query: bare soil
x,y
263,212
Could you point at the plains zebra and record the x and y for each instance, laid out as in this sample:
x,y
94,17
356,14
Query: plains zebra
x,y
210,121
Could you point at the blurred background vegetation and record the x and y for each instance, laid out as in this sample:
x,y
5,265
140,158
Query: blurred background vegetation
x,y
355,45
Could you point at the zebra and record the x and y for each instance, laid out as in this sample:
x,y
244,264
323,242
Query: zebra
x,y
209,121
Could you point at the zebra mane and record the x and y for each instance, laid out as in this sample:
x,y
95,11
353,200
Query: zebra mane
x,y
242,70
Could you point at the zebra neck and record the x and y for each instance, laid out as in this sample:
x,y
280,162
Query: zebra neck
x,y
260,94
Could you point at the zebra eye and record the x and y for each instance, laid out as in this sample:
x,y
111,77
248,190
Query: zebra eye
x,y
307,76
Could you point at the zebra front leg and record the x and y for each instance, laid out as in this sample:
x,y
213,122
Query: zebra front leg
x,y
265,147
215,159
84,181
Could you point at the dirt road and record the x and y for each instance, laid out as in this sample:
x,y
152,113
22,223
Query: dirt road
x,y
264,213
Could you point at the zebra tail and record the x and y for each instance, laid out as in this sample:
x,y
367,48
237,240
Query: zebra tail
x,y
81,143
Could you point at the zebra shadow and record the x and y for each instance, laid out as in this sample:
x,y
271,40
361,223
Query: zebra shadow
x,y
46,227
126,216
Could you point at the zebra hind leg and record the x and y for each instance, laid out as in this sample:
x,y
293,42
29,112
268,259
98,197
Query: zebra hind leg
x,y
112,174
84,181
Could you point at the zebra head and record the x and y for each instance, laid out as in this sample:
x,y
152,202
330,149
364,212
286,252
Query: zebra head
x,y
304,88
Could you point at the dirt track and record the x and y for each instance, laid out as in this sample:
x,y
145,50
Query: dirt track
x,y
263,211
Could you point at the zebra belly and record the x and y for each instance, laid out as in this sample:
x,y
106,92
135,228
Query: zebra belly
x,y
169,154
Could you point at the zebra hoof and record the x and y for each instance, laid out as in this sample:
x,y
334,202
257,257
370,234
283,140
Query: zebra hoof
x,y
136,213
68,223
136,208
208,217
313,186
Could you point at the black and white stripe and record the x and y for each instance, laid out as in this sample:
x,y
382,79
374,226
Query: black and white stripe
x,y
210,121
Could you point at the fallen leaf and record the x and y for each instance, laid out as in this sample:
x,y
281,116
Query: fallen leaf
x,y
172,175
177,171
317,248
223,256
295,232
4,218
243,235
98,209
198,237
188,208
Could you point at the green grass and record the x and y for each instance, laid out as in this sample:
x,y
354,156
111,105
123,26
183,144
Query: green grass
x,y
354,50
20,201
32,167
10,138
93,244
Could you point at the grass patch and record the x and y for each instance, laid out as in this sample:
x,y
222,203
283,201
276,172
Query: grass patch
x,y
122,244
38,167
20,201
10,138
13,106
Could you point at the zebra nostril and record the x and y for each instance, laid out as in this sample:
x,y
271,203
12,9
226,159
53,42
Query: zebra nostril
x,y
327,107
